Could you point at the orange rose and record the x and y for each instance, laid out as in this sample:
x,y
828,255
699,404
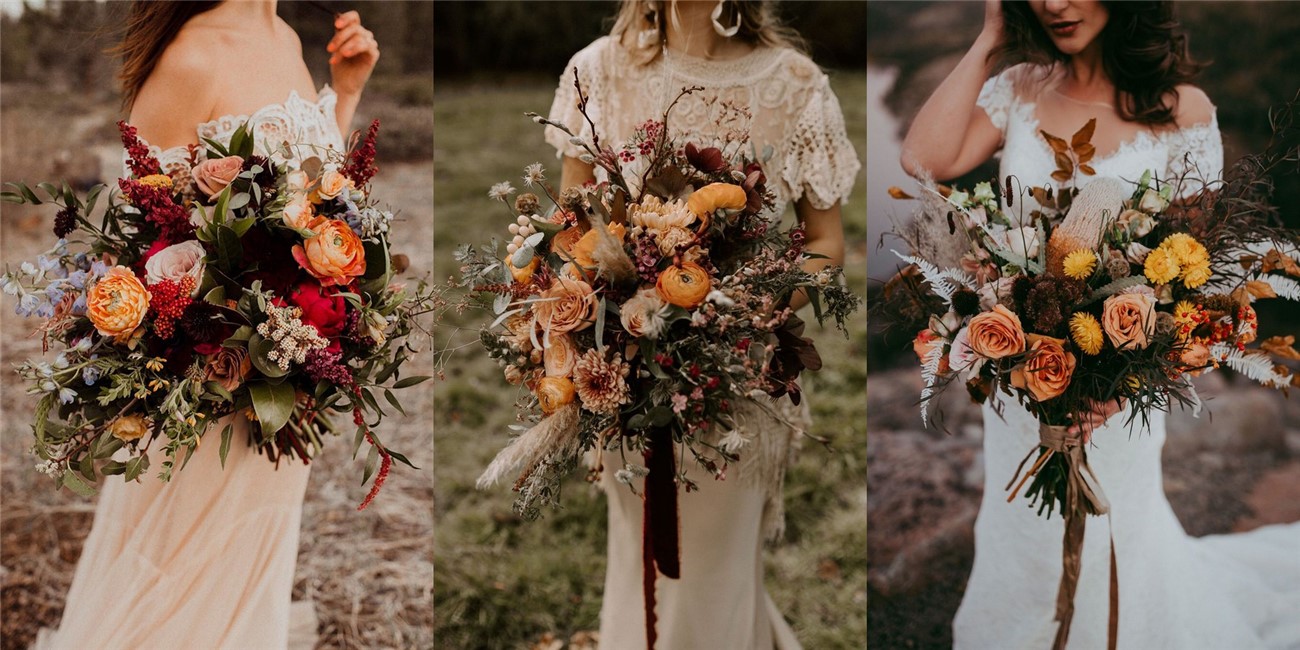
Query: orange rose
x,y
586,245
555,392
332,183
1129,319
117,304
563,242
560,356
1047,372
522,276
685,285
924,342
996,334
713,197
568,306
334,256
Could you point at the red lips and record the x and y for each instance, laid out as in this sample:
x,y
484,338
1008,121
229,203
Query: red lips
x,y
1065,27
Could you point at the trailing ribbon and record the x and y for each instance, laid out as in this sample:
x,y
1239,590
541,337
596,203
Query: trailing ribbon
x,y
1083,496
660,544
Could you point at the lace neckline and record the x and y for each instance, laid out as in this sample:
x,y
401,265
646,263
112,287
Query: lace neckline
x,y
752,65
294,100
1140,141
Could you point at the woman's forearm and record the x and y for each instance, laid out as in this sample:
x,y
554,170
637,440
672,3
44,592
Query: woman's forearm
x,y
942,140
344,110
832,247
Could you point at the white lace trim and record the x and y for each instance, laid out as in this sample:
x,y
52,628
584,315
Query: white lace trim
x,y
791,108
306,125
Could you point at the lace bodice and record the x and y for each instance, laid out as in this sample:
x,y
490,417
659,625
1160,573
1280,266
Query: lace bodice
x,y
788,100
306,126
1169,153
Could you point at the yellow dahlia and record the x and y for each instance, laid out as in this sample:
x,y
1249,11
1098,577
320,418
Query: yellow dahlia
x,y
1080,264
1086,332
1182,245
1161,267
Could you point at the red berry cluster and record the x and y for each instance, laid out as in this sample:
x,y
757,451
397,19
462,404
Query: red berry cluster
x,y
141,162
167,302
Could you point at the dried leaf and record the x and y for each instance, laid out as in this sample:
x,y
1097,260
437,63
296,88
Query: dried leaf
x,y
1064,163
1083,135
1259,289
1040,195
1058,145
1282,347
1275,260
1061,176
1085,152
1087,170
898,193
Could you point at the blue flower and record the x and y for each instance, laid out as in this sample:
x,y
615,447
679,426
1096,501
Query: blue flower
x,y
27,304
66,395
90,375
79,305
53,292
98,269
77,279
45,310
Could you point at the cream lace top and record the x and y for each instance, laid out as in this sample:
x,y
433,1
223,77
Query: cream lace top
x,y
788,100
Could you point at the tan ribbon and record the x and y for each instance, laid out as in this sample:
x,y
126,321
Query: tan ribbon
x,y
1083,496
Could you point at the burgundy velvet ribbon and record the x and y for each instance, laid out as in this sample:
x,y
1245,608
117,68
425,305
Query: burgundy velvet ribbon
x,y
660,539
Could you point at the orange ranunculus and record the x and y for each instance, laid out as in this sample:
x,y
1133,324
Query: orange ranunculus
x,y
924,343
568,306
522,276
1047,372
554,393
583,249
1129,319
334,256
117,303
713,197
1195,358
563,242
684,285
996,334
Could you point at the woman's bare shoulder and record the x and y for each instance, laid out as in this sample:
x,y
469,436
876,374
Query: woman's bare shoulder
x,y
181,90
1193,106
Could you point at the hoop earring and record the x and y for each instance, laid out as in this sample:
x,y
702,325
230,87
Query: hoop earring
x,y
725,32
648,38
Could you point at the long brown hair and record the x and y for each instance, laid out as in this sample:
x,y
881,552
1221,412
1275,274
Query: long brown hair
x,y
150,28
1144,53
759,25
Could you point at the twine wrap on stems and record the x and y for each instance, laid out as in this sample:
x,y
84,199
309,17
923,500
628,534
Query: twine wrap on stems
x,y
1083,497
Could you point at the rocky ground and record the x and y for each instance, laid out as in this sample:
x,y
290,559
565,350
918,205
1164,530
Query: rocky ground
x,y
1234,469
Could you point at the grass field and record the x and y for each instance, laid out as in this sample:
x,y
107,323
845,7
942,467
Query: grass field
x,y
503,583
370,573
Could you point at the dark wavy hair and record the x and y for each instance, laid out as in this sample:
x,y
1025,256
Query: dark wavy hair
x,y
1144,53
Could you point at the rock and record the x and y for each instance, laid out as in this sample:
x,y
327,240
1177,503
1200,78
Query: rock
x,y
911,570
1237,418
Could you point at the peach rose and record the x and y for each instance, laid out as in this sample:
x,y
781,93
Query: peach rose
x,y
116,305
996,334
560,356
924,343
568,306
644,314
177,262
334,255
298,213
1047,372
128,427
1196,357
1129,319
555,392
229,367
212,176
685,285
332,183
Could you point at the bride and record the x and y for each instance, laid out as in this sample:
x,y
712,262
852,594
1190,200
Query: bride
x,y
1127,65
207,560
740,56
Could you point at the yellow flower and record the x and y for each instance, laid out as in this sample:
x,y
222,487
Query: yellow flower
x,y
1181,245
1080,264
1161,267
157,180
1133,382
128,427
1196,274
1086,332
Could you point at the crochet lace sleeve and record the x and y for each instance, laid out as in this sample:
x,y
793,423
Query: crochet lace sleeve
x,y
1195,153
590,68
996,97
820,161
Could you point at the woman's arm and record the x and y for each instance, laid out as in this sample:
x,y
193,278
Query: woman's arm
x,y
825,236
353,55
951,135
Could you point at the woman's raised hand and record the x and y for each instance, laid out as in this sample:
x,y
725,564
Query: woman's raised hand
x,y
993,22
353,54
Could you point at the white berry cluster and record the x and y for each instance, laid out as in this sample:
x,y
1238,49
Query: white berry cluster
x,y
522,229
293,339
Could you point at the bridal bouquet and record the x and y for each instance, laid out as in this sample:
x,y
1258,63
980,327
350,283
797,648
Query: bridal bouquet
x,y
232,286
1111,293
638,313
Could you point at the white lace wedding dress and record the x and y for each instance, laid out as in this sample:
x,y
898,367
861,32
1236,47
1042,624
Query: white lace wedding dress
x,y
206,560
1221,592
720,601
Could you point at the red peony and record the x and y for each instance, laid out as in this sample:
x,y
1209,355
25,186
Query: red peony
x,y
324,310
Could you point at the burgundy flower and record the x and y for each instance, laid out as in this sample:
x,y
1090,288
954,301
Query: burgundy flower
x,y
323,309
708,160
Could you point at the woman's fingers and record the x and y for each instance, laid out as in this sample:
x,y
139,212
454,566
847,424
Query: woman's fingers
x,y
359,43
343,35
347,18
